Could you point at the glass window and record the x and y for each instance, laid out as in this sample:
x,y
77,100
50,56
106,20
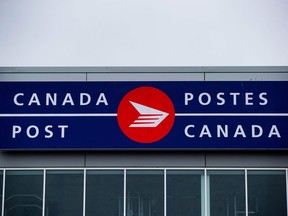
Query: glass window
x,y
226,193
185,190
267,193
23,193
1,190
64,193
145,193
104,192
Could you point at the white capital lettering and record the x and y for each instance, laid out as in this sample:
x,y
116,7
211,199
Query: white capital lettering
x,y
205,131
234,95
187,132
201,98
260,131
48,131
222,131
68,99
16,102
36,131
249,98
188,97
221,100
50,99
84,96
274,132
263,98
34,99
239,131
62,128
102,99
15,130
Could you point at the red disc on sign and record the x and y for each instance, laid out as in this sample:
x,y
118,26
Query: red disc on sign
x,y
146,114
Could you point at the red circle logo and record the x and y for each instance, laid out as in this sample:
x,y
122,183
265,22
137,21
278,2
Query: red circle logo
x,y
146,114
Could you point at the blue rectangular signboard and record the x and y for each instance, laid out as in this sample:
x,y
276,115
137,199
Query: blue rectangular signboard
x,y
143,115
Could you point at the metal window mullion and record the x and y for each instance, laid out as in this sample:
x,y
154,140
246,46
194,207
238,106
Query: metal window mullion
x,y
44,193
205,194
165,192
124,192
3,192
246,193
84,192
202,195
287,191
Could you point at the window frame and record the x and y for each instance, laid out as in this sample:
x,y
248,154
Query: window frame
x,y
125,169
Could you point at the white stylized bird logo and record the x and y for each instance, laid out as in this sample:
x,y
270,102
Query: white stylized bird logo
x,y
149,117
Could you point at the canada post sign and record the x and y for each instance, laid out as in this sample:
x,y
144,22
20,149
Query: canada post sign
x,y
143,115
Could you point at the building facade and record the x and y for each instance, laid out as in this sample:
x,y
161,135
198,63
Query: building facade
x,y
201,182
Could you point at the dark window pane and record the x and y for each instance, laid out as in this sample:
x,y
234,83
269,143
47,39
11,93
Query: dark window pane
x,y
23,193
145,193
104,193
227,192
64,193
184,193
267,193
1,190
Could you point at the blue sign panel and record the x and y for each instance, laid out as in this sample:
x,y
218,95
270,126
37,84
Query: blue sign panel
x,y
143,115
